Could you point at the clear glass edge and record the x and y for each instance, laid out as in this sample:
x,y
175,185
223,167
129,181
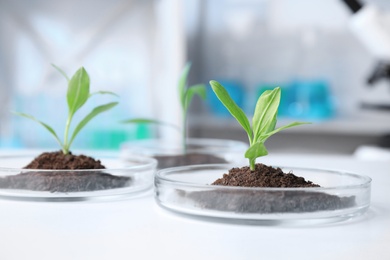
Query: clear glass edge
x,y
159,173
150,163
269,219
105,195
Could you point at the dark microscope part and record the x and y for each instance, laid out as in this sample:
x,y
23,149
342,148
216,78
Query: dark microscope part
x,y
353,5
381,71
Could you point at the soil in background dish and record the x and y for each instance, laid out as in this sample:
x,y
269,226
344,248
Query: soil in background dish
x,y
167,161
67,181
267,201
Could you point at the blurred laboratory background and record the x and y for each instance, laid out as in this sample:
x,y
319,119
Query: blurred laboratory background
x,y
331,59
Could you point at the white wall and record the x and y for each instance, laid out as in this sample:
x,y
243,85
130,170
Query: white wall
x,y
127,46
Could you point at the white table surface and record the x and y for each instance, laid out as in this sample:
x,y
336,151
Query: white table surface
x,y
139,229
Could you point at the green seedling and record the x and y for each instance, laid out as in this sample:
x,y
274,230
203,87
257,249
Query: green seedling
x,y
186,95
77,95
263,122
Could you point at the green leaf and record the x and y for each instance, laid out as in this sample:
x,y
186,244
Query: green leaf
x,y
96,111
232,107
78,90
103,93
182,83
269,134
264,118
61,71
255,151
272,125
48,128
199,89
141,121
263,122
148,121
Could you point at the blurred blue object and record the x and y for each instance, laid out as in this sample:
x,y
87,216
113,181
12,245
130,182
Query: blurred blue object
x,y
10,143
310,99
236,92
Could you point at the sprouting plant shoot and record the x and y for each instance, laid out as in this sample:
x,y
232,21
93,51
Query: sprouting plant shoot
x,y
77,95
186,95
263,122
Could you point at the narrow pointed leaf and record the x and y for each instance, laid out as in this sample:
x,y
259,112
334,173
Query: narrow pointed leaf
x,y
103,93
266,111
267,135
78,90
46,126
61,71
141,121
199,89
96,111
182,84
148,121
232,107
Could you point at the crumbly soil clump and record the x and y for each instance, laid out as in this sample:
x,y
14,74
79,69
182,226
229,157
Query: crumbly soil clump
x,y
60,161
263,176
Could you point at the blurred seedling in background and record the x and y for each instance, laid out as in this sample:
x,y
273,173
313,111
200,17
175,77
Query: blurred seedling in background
x,y
186,94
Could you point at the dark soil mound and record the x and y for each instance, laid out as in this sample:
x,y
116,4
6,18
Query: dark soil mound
x,y
67,180
262,176
168,161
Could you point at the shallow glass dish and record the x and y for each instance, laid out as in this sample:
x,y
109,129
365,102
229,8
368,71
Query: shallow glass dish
x,y
120,179
170,153
187,190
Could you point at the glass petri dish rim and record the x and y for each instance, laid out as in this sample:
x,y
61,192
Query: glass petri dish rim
x,y
146,163
145,171
161,176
